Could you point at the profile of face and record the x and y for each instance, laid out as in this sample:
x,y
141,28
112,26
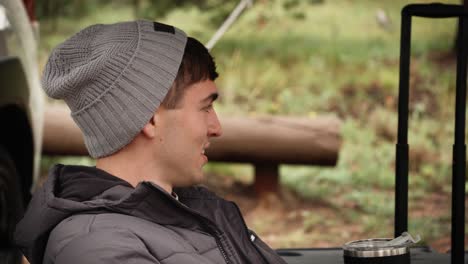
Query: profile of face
x,y
183,134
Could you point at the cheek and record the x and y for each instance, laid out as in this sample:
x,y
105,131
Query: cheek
x,y
194,125
183,135
184,131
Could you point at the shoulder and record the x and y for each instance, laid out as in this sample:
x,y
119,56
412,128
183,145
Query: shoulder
x,y
110,236
75,240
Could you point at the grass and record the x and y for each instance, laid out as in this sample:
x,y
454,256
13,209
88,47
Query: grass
x,y
321,57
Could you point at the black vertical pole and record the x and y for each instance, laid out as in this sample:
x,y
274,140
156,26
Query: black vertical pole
x,y
459,148
401,169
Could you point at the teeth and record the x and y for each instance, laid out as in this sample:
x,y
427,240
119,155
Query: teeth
x,y
203,152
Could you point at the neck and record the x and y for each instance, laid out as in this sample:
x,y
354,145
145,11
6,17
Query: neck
x,y
129,167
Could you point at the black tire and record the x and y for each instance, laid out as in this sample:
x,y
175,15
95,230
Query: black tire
x,y
11,208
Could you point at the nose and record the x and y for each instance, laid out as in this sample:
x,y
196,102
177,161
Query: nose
x,y
214,128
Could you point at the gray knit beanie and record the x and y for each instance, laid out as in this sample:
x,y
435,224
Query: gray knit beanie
x,y
113,78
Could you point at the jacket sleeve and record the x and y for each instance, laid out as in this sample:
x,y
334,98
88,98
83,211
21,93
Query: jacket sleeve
x,y
119,246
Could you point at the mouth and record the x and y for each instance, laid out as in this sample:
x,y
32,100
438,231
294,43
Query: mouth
x,y
203,151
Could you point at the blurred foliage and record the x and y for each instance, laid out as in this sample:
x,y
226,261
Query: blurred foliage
x,y
315,57
149,9
54,9
154,9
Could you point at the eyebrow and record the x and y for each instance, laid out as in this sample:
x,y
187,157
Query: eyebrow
x,y
210,98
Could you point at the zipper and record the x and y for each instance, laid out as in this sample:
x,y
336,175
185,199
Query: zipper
x,y
223,253
218,243
215,234
204,221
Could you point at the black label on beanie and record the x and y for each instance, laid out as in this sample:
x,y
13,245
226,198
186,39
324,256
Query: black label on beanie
x,y
163,27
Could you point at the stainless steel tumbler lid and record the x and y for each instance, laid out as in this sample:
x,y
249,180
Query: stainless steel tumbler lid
x,y
375,247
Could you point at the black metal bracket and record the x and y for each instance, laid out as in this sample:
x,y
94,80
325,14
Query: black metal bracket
x,y
435,10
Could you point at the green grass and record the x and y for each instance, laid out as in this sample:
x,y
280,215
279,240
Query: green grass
x,y
314,58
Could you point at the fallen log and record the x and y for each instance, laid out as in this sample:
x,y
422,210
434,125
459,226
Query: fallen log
x,y
61,135
264,142
278,139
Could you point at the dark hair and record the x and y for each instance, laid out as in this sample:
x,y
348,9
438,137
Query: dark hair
x,y
197,65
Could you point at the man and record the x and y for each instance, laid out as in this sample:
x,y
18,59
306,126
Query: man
x,y
142,93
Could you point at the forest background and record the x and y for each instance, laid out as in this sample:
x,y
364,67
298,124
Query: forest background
x,y
311,58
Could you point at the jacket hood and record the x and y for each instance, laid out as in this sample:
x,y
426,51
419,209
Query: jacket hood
x,y
71,190
67,190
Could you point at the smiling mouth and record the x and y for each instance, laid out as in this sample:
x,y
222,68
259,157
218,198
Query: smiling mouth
x,y
203,152
207,145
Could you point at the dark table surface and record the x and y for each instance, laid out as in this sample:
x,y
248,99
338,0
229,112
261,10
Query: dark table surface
x,y
419,255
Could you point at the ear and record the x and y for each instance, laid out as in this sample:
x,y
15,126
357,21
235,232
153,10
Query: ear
x,y
149,130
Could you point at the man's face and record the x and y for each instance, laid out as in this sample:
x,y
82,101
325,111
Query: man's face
x,y
183,134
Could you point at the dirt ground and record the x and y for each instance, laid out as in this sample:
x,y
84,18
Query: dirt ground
x,y
284,220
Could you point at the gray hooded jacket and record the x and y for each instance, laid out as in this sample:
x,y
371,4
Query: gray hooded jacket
x,y
85,215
